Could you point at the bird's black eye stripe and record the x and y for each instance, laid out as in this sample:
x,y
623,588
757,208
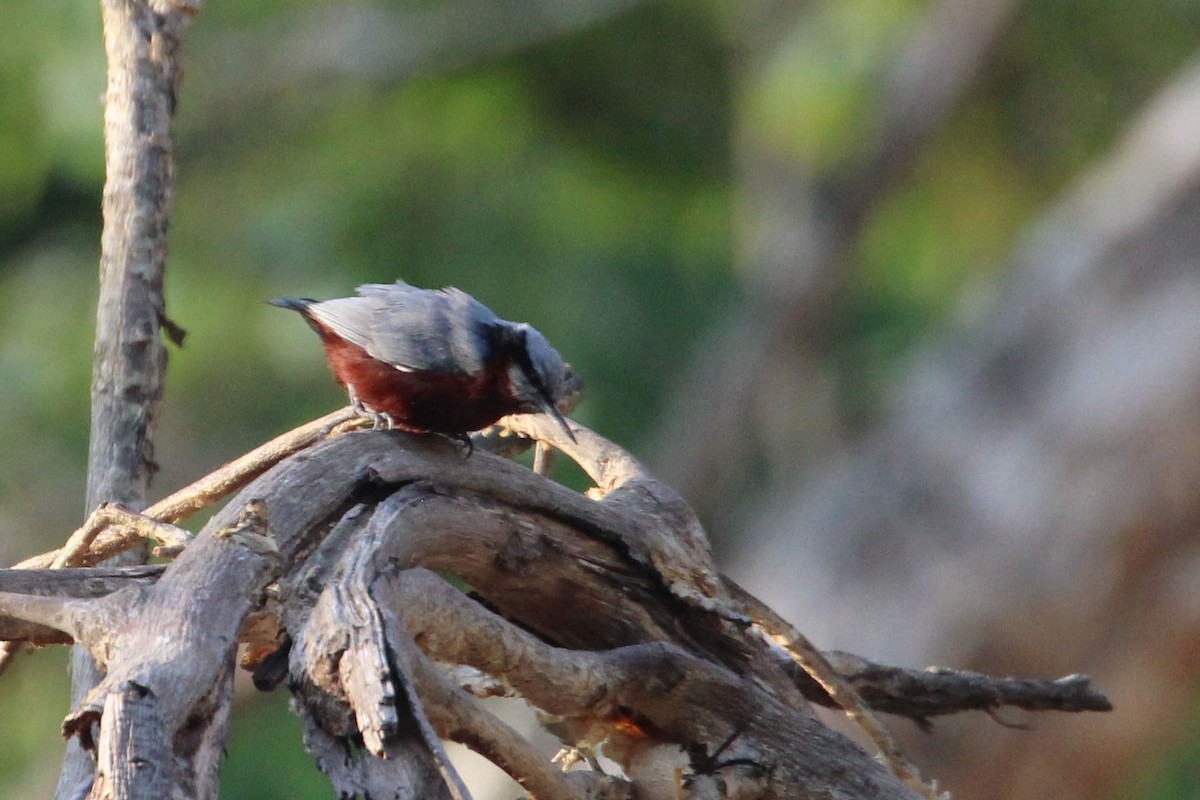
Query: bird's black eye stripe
x,y
512,344
526,365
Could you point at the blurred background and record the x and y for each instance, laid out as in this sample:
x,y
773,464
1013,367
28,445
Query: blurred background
x,y
903,296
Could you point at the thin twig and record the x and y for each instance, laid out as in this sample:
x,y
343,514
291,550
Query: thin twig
x,y
778,631
923,693
814,663
187,501
89,544
236,474
133,528
609,466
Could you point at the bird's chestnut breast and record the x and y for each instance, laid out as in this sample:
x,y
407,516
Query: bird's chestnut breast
x,y
422,401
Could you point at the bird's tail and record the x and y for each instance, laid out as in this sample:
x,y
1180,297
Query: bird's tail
x,y
300,304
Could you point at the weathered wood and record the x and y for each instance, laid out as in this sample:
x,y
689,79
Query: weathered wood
x,y
473,541
135,760
93,582
920,694
424,500
683,700
176,635
405,775
342,675
64,584
351,519
130,357
181,504
141,42
457,716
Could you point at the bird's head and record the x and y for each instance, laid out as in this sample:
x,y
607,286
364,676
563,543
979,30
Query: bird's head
x,y
540,379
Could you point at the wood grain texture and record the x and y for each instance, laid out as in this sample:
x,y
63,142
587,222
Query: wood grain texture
x,y
325,559
141,44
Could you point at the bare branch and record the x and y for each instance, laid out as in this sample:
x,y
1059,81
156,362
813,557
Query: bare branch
x,y
661,529
228,479
622,692
401,761
171,656
920,694
359,510
61,613
132,529
459,717
130,358
133,737
916,694
614,469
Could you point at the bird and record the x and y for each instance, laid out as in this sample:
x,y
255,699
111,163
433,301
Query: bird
x,y
435,360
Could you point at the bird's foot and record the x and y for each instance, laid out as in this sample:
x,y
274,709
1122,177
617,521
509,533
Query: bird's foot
x,y
357,404
464,441
568,757
381,421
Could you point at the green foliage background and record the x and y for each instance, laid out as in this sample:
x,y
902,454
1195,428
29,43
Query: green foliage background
x,y
584,184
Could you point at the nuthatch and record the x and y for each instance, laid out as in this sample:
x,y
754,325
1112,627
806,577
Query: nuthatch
x,y
426,360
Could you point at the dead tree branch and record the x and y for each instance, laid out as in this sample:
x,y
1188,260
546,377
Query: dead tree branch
x,y
616,591
619,696
142,41
110,531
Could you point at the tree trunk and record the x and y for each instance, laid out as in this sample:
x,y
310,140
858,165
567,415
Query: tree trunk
x,y
142,45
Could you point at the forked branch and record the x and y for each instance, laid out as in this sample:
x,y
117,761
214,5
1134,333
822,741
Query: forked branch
x,y
607,612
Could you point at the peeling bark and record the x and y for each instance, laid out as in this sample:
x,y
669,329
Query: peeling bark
x,y
606,612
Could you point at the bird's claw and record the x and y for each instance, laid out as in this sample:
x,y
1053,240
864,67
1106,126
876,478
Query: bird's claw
x,y
568,757
465,441
380,420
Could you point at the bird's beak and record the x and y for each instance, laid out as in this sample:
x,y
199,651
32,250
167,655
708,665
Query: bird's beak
x,y
547,405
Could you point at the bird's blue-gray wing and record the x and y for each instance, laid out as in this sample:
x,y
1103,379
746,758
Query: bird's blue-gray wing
x,y
413,329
